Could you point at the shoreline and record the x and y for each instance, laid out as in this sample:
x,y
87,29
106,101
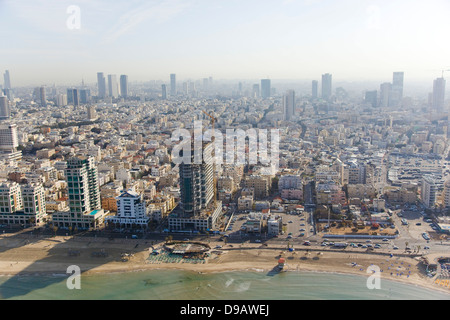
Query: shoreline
x,y
50,257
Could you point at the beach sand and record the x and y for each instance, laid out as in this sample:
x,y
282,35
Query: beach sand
x,y
21,255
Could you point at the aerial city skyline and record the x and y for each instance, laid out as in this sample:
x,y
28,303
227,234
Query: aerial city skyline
x,y
223,148
387,94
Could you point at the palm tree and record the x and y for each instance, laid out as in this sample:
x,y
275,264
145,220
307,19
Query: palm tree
x,y
168,239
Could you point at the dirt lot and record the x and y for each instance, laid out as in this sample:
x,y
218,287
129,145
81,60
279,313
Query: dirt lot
x,y
364,231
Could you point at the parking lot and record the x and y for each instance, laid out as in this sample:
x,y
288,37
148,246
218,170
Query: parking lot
x,y
295,226
416,225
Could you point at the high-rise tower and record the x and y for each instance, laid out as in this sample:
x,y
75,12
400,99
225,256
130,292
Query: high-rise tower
x,y
124,86
315,89
198,209
5,110
397,89
101,83
173,84
43,97
163,92
438,102
84,196
196,184
289,105
7,80
113,86
265,88
326,86
82,185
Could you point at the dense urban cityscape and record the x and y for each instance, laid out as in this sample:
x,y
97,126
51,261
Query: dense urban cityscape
x,y
244,151
84,151
363,170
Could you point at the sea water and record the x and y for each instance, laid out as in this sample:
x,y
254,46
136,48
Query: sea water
x,y
188,285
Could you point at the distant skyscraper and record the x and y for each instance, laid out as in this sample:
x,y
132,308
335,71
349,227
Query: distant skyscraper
x,y
5,111
9,93
371,98
101,83
397,89
186,88
439,94
7,80
43,96
315,89
326,86
289,105
192,89
61,100
113,86
163,92
385,94
73,97
265,88
173,84
255,90
84,96
124,86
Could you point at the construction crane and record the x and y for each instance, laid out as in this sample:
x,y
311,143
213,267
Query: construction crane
x,y
213,120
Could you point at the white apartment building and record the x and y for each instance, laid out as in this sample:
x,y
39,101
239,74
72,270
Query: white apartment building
x,y
131,211
9,140
430,191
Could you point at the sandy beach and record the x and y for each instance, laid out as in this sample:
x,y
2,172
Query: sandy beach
x,y
22,255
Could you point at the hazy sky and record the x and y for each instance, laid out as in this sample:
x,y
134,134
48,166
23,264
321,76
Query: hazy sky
x,y
229,39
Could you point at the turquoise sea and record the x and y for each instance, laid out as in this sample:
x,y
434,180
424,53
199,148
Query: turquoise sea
x,y
185,285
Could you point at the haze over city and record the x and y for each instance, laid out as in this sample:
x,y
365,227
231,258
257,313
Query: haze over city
x,y
215,150
353,40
